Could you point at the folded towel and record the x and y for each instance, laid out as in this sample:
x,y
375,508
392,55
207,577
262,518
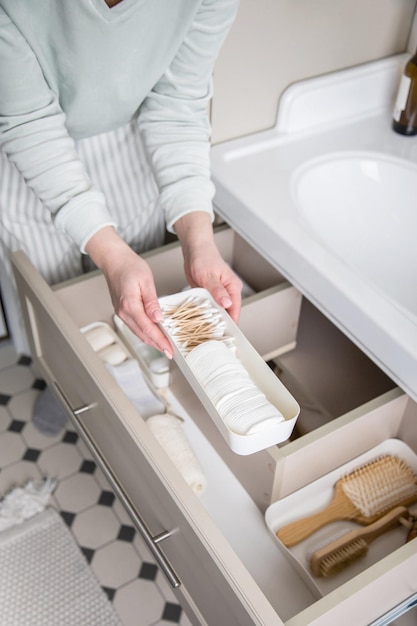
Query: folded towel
x,y
168,430
131,379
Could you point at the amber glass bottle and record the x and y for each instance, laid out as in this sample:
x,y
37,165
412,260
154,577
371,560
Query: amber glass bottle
x,y
405,110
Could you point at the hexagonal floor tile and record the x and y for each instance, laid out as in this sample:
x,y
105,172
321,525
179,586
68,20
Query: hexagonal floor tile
x,y
116,564
95,527
21,405
17,475
36,439
16,379
122,514
12,448
77,492
60,460
5,418
139,602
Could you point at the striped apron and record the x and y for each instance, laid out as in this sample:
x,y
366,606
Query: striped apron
x,y
117,165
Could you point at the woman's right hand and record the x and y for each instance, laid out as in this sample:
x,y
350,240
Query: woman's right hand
x,y
131,286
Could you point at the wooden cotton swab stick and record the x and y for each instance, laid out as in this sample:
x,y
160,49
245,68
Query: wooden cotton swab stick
x,y
193,322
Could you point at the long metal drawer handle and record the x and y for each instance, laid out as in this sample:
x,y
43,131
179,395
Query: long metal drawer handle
x,y
150,540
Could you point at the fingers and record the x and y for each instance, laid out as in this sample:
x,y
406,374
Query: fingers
x,y
234,308
153,312
227,295
146,328
136,303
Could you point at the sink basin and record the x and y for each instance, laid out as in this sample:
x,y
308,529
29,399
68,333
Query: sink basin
x,y
363,207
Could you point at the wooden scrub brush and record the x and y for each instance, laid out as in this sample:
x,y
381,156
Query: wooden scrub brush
x,y
363,496
354,545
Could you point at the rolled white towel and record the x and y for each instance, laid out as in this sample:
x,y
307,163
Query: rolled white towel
x,y
169,431
99,337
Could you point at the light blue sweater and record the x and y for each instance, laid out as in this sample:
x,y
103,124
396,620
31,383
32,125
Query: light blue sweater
x,y
71,69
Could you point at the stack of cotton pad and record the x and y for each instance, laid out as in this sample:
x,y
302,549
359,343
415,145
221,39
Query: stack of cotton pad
x,y
241,405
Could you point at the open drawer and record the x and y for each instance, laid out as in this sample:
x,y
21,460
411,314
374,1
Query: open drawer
x,y
216,549
212,583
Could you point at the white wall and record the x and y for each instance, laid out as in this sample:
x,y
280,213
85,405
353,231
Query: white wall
x,y
274,43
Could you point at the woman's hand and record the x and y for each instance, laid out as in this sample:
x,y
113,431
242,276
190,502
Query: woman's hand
x,y
131,286
204,265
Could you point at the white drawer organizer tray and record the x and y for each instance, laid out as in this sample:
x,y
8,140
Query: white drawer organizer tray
x,y
259,372
314,497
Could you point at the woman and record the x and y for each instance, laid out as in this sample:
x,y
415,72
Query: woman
x,y
105,141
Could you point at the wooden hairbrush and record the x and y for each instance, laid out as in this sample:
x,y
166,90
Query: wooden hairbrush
x,y
340,553
363,496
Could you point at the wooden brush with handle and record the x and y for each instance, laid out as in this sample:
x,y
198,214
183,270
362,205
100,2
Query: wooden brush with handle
x,y
363,496
340,553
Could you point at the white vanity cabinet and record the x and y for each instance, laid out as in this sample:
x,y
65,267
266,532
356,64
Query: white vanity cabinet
x,y
215,550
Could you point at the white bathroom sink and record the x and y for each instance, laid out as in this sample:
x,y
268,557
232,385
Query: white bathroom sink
x,y
363,207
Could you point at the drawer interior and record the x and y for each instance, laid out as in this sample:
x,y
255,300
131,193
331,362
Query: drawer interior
x,y
272,322
269,319
326,372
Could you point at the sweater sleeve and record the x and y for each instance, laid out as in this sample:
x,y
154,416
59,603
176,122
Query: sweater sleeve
x,y
34,137
174,117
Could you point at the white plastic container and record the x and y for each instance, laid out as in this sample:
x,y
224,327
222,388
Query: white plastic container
x,y
260,373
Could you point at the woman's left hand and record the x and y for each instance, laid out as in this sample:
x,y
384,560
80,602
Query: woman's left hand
x,y
203,264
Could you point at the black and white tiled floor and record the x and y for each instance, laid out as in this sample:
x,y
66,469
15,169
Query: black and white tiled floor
x,y
117,555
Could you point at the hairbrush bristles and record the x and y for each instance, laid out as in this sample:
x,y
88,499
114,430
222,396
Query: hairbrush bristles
x,y
380,485
340,559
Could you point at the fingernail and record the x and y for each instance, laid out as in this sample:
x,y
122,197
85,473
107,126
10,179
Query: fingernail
x,y
168,355
157,316
225,302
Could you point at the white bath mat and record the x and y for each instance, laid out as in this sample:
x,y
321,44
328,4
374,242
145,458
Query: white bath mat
x,y
45,579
